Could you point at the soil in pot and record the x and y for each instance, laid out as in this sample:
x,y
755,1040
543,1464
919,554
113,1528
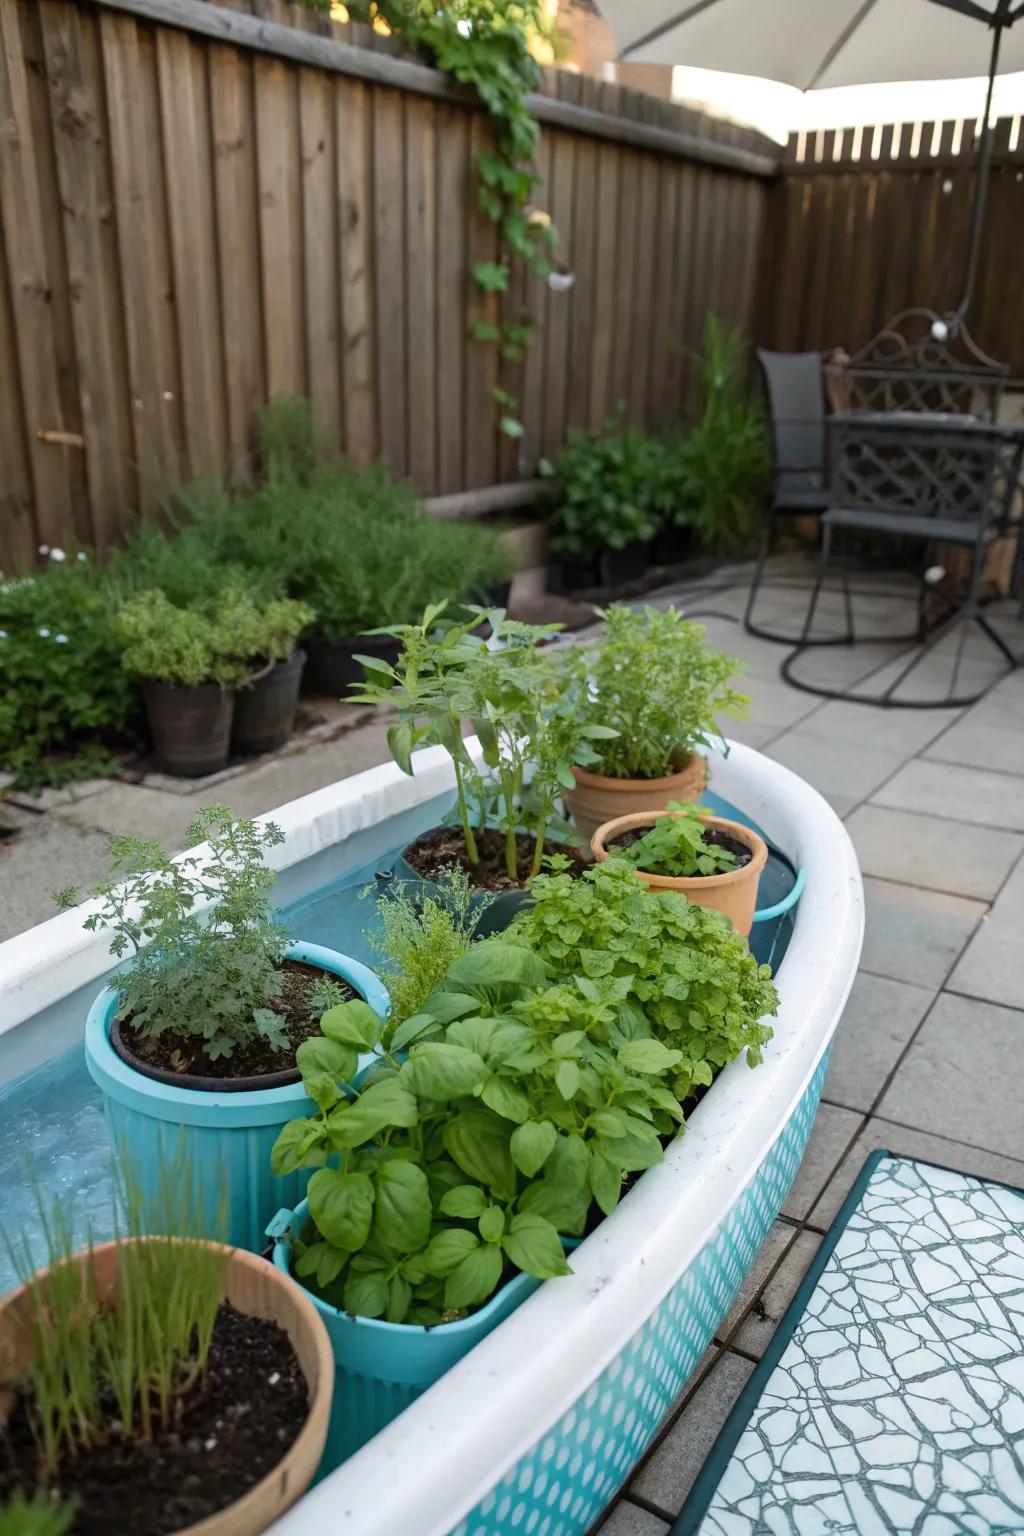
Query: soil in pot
x,y
265,711
233,1428
332,668
712,835
437,850
173,1058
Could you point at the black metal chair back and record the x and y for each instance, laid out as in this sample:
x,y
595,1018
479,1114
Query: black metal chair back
x,y
906,367
795,385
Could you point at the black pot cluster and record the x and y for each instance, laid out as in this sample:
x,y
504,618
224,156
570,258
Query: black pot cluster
x,y
196,729
618,567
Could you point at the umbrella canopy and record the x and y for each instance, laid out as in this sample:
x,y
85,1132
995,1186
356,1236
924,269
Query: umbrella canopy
x,y
814,44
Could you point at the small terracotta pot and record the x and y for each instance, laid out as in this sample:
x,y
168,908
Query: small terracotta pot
x,y
254,1287
734,893
597,799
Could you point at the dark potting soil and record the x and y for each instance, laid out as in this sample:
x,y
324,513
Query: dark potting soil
x,y
229,1432
176,1053
443,847
719,839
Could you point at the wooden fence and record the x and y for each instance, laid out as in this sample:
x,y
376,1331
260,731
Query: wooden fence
x,y
201,209
868,221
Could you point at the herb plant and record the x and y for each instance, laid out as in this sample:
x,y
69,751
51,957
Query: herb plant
x,y
38,1516
676,845
206,952
421,936
550,1064
658,687
613,485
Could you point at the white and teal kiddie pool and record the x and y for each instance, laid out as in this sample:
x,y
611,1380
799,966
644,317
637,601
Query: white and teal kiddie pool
x,y
537,1427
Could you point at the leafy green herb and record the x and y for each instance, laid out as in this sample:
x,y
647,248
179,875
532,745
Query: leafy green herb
x,y
613,485
420,937
676,845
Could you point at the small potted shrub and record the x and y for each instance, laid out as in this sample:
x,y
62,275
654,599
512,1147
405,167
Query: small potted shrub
x,y
265,701
712,861
200,1042
507,809
658,687
161,1385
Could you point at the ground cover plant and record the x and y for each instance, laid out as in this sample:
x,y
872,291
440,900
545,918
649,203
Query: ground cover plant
x,y
679,844
551,1064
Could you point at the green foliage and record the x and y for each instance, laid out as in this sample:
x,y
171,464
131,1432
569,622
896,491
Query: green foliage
x,y
675,845
217,644
420,937
140,1352
725,460
550,1063
206,952
657,684
613,485
38,1516
520,713
62,688
324,993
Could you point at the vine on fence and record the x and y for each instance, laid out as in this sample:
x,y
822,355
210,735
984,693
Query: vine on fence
x,y
486,44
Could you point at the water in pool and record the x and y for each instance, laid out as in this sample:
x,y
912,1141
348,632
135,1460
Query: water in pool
x,y
53,1136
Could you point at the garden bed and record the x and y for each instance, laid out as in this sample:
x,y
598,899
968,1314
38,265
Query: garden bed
x,y
552,1410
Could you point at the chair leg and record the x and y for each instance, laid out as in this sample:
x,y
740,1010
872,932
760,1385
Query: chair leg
x,y
826,549
844,577
762,556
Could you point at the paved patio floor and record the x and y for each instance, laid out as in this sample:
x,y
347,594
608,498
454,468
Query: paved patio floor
x,y
925,1062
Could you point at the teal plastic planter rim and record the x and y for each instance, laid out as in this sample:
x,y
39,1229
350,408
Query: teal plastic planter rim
x,y
286,1222
196,1106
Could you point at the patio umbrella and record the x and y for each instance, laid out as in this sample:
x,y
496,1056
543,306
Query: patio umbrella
x,y
814,44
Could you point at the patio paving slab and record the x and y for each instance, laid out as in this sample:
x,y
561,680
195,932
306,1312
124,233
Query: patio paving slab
x,y
627,1519
771,1251
914,935
880,1133
45,858
955,1078
668,1476
834,768
764,1317
905,731
992,966
880,1019
963,794
932,852
833,1130
979,739
773,702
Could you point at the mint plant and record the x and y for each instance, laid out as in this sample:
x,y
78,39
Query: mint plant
x,y
656,688
613,485
676,845
205,950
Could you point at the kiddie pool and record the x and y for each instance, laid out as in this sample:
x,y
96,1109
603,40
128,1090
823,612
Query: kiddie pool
x,y
533,1432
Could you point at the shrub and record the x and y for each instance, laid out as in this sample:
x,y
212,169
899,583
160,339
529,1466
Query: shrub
x,y
61,681
218,644
613,486
724,463
654,681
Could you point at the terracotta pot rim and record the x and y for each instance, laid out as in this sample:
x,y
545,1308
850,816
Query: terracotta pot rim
x,y
320,1392
583,776
736,829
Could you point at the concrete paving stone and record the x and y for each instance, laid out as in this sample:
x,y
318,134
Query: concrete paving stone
x,y
760,1323
933,852
773,702
752,733
904,731
841,666
992,965
771,1251
914,935
977,739
53,799
288,778
835,768
975,795
41,860
669,1475
131,810
627,1519
833,1130
880,1018
931,680
910,1143
959,1076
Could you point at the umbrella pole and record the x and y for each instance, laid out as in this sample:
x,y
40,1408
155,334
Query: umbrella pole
x,y
981,187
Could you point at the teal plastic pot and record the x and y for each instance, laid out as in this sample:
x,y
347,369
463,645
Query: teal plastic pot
x,y
380,1368
221,1139
496,913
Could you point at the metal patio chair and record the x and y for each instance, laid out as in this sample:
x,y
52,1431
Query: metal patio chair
x,y
929,477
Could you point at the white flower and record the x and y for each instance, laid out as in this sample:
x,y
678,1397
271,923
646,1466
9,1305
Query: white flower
x,y
464,27
44,634
82,555
58,555
61,639
44,549
3,634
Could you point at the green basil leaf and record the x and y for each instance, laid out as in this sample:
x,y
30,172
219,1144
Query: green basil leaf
x,y
532,1144
341,1204
381,1104
308,1261
332,1262
506,1099
478,1140
567,1079
399,1298
493,962
401,741
475,1278
466,1200
325,1066
605,1181
299,1144
436,1070
420,1027
648,1056
492,1224
447,1249
366,1295
563,1194
445,1007
352,1023
533,1246
402,1209
634,1151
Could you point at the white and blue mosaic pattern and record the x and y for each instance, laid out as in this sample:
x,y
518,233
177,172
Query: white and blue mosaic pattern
x,y
571,1473
897,1406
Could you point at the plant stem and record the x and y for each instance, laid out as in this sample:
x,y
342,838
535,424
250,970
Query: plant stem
x,y
472,852
538,846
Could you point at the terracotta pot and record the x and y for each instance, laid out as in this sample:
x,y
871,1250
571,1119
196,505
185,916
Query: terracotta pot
x,y
254,1286
597,799
734,893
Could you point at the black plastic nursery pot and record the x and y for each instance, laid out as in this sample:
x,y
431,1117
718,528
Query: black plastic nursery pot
x,y
577,575
672,545
190,726
626,564
265,710
499,907
331,665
